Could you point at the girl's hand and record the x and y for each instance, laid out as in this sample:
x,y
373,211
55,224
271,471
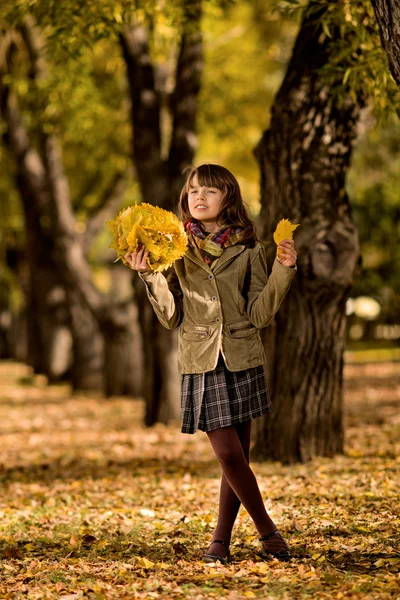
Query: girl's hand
x,y
288,254
137,260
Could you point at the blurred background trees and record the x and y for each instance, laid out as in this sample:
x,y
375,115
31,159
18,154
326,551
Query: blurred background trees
x,y
110,97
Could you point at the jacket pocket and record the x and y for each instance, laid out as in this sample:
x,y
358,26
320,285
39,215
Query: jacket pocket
x,y
241,329
195,333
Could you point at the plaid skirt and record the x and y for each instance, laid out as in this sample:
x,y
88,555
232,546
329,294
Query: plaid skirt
x,y
220,398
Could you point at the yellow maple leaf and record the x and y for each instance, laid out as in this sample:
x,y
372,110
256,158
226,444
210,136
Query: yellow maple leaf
x,y
160,230
208,518
145,562
284,231
262,567
379,563
29,547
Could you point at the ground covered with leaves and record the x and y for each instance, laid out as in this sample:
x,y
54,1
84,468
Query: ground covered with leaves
x,y
93,505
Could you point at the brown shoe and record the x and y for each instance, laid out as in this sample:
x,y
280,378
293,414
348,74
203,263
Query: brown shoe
x,y
212,557
269,546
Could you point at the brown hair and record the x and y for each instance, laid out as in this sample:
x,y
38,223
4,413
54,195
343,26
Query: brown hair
x,y
233,212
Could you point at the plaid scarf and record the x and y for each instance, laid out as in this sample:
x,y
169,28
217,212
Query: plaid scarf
x,y
212,245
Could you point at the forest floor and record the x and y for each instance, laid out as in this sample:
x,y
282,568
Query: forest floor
x,y
94,505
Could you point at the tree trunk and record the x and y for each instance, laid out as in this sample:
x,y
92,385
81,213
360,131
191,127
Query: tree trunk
x,y
166,351
303,158
87,346
123,362
161,180
47,310
160,348
149,329
387,13
13,324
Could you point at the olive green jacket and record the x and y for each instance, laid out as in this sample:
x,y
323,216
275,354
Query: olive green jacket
x,y
219,307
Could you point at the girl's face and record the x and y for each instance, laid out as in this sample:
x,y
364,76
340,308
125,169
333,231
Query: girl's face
x,y
205,203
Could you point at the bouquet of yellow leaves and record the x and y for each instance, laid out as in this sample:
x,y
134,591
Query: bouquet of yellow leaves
x,y
161,232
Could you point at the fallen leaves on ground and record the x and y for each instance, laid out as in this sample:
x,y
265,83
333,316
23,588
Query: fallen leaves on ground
x,y
94,505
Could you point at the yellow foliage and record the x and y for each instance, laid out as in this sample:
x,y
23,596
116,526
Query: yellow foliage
x,y
29,547
142,561
161,232
284,231
208,518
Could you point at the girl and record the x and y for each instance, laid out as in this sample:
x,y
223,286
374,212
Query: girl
x,y
219,295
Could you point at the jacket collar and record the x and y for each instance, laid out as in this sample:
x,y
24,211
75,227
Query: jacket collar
x,y
194,254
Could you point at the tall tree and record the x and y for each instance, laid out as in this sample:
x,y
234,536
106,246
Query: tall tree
x,y
304,157
161,177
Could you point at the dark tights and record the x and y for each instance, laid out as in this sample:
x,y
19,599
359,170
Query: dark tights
x,y
238,483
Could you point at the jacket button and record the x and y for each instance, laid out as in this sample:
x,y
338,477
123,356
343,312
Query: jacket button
x,y
218,319
211,277
214,298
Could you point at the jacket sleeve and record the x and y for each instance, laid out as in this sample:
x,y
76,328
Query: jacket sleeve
x,y
165,295
266,293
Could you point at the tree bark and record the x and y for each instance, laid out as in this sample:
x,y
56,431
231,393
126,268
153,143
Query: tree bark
x,y
387,13
161,181
304,157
